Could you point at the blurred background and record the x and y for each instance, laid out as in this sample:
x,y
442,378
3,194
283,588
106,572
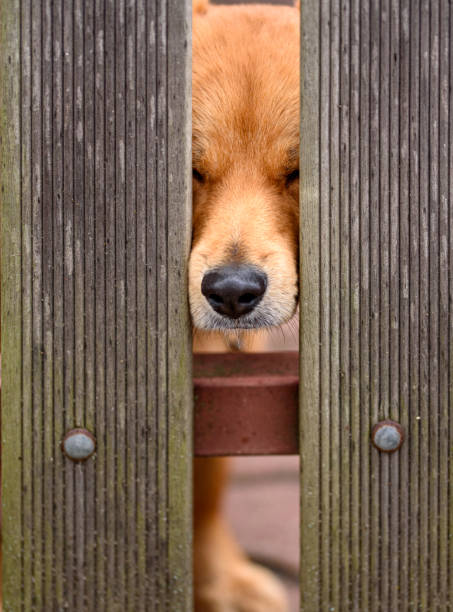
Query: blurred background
x,y
263,500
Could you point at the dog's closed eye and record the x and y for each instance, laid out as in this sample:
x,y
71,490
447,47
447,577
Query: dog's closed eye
x,y
292,177
197,175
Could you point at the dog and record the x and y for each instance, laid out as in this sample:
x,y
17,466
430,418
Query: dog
x,y
243,267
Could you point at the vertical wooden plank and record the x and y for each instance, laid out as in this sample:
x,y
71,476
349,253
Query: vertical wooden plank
x,y
104,561
142,295
414,298
434,273
355,313
79,207
89,587
161,306
109,315
449,407
26,313
382,205
69,356
325,433
344,305
444,156
365,319
374,299
404,305
97,229
152,273
11,303
37,237
309,306
424,321
119,421
386,251
131,299
58,297
334,299
47,305
394,550
179,177
378,279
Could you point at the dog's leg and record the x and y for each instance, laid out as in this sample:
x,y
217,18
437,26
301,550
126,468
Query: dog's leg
x,y
225,580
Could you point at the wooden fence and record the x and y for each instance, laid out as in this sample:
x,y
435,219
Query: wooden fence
x,y
95,194
95,181
376,304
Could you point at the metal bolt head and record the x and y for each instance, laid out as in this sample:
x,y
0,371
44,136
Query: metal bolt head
x,y
387,436
78,444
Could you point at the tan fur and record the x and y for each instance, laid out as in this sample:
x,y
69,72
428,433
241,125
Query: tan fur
x,y
245,144
199,6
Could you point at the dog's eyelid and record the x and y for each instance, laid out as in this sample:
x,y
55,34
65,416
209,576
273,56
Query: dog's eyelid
x,y
196,174
291,176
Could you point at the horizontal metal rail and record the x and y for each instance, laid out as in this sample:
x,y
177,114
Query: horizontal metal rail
x,y
246,404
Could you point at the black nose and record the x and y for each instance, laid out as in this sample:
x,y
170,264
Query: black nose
x,y
234,290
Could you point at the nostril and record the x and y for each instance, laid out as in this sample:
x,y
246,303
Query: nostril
x,y
217,299
247,298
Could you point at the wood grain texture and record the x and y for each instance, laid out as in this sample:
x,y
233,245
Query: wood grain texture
x,y
96,206
11,303
310,309
376,288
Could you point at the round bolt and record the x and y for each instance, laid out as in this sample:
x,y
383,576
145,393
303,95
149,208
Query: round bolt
x,y
387,436
78,444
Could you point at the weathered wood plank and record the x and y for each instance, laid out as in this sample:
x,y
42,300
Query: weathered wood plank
x,y
102,143
180,445
47,307
89,289
141,330
58,297
309,308
96,191
376,263
324,314
108,362
423,304
374,312
396,579
152,273
364,304
333,298
27,271
445,207
344,303
403,392
11,304
413,288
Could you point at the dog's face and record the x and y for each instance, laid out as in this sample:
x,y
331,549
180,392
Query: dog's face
x,y
243,265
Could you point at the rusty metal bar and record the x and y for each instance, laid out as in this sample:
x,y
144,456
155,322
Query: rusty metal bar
x,y
246,404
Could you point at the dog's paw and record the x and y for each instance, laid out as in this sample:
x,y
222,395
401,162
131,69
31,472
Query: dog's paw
x,y
243,587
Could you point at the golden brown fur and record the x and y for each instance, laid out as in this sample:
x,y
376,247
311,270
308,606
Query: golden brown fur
x,y
245,195
245,153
